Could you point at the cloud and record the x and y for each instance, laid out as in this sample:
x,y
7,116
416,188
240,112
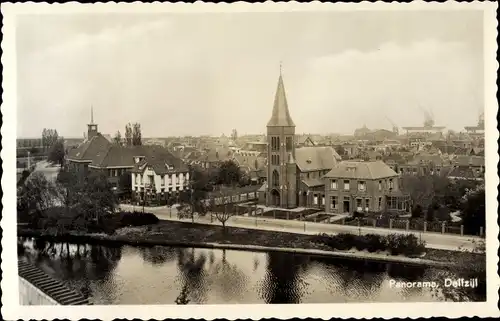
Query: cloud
x,y
208,74
362,87
107,37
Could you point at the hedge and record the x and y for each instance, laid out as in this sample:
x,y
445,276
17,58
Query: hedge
x,y
396,244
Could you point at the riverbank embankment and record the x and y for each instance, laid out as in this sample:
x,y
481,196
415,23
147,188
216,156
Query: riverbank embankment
x,y
183,234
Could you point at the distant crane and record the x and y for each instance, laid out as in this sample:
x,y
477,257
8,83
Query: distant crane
x,y
395,128
428,117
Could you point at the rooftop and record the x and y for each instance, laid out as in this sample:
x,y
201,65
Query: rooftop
x,y
361,170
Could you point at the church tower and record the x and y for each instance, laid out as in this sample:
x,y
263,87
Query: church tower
x,y
281,168
91,128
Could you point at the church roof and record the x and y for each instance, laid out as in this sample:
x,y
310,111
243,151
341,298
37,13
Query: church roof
x,y
316,158
281,115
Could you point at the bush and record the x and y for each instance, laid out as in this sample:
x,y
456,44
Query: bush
x,y
375,243
358,215
417,211
137,219
396,244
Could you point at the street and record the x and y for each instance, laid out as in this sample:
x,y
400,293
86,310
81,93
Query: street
x,y
433,240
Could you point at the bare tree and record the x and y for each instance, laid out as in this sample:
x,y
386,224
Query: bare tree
x,y
224,208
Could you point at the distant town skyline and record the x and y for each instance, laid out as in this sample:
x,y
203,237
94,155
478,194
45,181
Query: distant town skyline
x,y
205,74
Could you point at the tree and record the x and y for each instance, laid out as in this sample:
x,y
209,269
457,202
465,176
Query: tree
x,y
24,175
428,190
117,139
57,152
49,137
128,134
234,134
136,135
244,179
193,201
35,196
228,174
226,209
417,211
436,211
474,210
98,199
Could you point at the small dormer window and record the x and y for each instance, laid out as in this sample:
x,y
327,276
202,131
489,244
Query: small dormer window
x,y
309,161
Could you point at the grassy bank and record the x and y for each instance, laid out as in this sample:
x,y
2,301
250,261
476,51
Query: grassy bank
x,y
185,234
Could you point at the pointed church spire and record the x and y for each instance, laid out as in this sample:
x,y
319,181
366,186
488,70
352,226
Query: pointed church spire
x,y
281,114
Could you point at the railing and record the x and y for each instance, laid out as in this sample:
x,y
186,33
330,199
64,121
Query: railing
x,y
408,225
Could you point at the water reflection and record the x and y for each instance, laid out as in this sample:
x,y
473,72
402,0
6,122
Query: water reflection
x,y
159,275
283,282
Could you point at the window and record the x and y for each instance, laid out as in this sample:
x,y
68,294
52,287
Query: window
x,y
142,178
380,203
136,179
346,185
276,178
289,143
391,184
362,186
367,204
275,159
379,185
163,180
315,199
333,184
358,204
333,202
275,143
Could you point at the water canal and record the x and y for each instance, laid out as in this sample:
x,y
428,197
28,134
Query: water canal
x,y
157,275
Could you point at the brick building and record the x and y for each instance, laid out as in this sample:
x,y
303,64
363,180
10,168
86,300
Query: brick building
x,y
363,186
293,174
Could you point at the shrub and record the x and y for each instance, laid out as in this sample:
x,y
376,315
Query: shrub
x,y
344,241
417,211
397,244
375,242
361,243
358,215
137,219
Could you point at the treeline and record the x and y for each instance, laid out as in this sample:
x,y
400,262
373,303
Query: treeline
x,y
72,202
433,197
133,136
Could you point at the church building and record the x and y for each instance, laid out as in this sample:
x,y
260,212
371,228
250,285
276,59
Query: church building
x,y
293,174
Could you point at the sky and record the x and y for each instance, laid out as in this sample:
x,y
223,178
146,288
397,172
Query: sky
x,y
196,74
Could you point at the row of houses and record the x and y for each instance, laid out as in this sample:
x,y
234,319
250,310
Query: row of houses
x,y
156,174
